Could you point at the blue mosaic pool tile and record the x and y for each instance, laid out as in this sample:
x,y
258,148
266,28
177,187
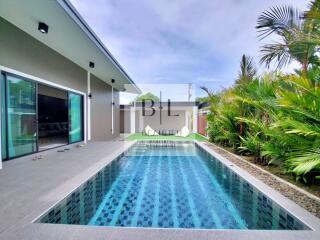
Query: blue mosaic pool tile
x,y
182,186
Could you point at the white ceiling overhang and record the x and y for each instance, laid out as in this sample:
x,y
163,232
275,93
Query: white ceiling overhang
x,y
69,35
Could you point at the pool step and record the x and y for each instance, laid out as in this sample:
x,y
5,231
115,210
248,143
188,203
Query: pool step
x,y
157,143
137,150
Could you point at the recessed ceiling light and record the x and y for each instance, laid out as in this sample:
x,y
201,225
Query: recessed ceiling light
x,y
91,64
43,28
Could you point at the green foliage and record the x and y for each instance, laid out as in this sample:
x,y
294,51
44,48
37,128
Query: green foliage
x,y
313,18
148,96
275,117
202,99
296,37
247,70
250,145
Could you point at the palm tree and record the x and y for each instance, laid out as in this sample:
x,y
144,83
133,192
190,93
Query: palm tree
x,y
293,31
247,70
246,75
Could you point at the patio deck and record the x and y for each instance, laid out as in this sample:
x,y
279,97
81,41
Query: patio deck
x,y
28,188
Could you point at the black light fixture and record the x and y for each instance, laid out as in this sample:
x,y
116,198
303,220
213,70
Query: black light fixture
x,y
113,103
91,64
124,89
43,28
90,95
112,80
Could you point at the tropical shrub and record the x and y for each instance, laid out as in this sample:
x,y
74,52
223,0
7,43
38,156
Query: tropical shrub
x,y
275,117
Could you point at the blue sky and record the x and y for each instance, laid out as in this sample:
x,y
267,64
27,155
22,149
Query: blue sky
x,y
180,41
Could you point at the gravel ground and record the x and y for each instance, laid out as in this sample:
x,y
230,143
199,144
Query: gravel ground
x,y
306,200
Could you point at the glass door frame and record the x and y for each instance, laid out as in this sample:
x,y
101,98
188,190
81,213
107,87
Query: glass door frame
x,y
4,115
61,89
82,117
5,74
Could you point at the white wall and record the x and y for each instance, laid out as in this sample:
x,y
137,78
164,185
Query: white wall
x,y
195,119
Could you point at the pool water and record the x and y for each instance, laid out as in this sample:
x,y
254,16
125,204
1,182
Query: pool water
x,y
179,186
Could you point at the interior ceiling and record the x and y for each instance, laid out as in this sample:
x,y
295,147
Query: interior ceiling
x,y
65,36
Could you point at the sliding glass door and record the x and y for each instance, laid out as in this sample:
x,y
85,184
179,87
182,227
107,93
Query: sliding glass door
x,y
30,111
3,117
21,116
75,118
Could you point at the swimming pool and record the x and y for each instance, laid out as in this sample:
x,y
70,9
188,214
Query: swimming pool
x,y
175,186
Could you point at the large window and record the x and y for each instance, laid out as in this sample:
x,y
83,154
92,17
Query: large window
x,y
75,118
22,115
3,117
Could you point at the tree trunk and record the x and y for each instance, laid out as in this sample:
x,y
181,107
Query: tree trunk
x,y
266,116
305,64
241,124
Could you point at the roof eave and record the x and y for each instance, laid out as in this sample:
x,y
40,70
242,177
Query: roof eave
x,y
75,15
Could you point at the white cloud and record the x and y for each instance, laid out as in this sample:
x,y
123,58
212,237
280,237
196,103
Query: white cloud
x,y
179,41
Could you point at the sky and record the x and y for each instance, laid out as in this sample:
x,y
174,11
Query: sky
x,y
180,41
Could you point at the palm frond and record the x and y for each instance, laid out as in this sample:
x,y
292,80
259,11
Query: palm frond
x,y
207,90
280,20
305,162
314,11
247,70
275,52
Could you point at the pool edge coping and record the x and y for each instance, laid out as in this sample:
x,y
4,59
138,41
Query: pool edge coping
x,y
295,187
290,206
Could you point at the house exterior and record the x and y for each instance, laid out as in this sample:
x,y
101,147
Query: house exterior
x,y
164,117
59,83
